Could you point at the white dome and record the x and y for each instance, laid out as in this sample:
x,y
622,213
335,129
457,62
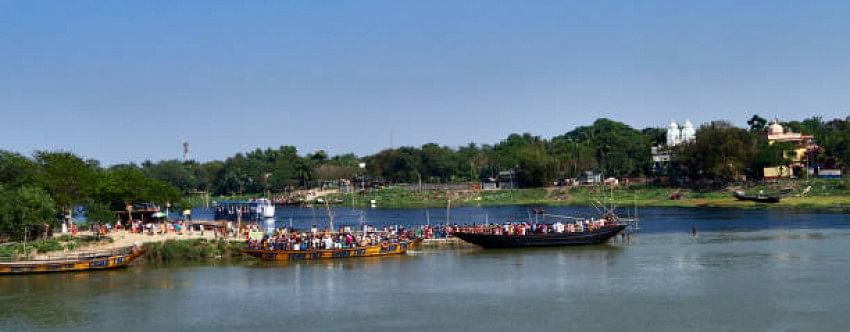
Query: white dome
x,y
673,125
776,128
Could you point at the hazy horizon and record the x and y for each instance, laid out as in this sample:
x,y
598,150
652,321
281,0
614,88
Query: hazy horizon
x,y
127,82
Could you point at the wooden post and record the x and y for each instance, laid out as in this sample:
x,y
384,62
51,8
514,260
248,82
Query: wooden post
x,y
238,221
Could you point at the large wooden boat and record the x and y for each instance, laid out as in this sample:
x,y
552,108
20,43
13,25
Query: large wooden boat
x,y
487,240
383,249
88,261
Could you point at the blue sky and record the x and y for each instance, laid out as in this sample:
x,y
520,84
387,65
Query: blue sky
x,y
126,81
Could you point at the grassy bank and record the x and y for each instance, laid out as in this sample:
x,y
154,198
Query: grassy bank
x,y
826,195
192,250
41,246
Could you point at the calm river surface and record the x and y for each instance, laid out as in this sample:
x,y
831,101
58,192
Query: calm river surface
x,y
745,270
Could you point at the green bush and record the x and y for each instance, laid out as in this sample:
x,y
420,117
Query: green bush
x,y
16,249
47,246
191,250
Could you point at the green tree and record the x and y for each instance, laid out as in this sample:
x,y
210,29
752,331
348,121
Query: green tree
x,y
719,154
99,212
757,123
66,177
25,209
17,170
618,149
177,173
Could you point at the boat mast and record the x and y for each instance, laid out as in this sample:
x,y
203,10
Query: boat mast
x,y
330,215
448,207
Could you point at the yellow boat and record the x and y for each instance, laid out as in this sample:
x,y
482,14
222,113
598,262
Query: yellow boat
x,y
383,249
89,261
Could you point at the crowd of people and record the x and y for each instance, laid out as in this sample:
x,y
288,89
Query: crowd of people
x,y
527,228
344,237
137,227
434,232
314,238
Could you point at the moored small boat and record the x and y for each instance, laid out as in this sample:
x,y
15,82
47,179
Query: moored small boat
x,y
741,196
382,249
90,261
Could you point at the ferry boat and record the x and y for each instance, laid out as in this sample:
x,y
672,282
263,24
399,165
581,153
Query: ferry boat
x,y
587,237
254,209
89,261
382,249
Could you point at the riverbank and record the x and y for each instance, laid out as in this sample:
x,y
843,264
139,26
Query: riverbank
x,y
43,247
823,195
158,247
175,246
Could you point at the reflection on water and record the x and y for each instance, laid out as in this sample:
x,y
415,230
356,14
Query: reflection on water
x,y
773,236
753,278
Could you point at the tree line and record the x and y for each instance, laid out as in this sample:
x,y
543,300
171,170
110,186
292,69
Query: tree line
x,y
722,152
51,183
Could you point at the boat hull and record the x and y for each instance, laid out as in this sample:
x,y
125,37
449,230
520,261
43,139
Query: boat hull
x,y
70,265
300,255
541,240
758,199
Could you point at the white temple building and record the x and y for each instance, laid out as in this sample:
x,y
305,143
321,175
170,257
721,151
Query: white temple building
x,y
680,134
677,134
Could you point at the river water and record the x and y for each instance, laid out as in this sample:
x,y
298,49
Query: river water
x,y
745,270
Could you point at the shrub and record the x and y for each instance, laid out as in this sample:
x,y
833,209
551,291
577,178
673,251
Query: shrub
x,y
47,246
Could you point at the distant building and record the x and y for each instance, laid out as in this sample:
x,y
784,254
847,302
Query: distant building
x,y
345,186
777,133
803,146
508,180
772,173
489,184
591,177
824,173
662,154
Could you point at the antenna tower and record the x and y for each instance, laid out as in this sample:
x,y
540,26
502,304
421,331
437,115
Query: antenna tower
x,y
185,150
